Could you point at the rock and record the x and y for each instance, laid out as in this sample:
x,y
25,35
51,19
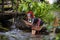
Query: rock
x,y
22,25
57,30
44,31
5,25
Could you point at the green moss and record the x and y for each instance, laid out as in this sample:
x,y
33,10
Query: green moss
x,y
3,37
58,36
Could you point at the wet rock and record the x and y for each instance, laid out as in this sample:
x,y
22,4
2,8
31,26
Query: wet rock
x,y
5,24
57,30
44,31
22,25
3,37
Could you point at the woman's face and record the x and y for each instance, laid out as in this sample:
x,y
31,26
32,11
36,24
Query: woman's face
x,y
28,15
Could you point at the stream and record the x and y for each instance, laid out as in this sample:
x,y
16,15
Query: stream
x,y
16,34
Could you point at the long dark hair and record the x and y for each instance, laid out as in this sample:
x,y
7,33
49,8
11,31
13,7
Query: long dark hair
x,y
36,20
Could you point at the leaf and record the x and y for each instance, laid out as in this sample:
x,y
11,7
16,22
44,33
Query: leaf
x,y
40,9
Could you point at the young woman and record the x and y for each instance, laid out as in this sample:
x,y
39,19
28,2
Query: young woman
x,y
36,22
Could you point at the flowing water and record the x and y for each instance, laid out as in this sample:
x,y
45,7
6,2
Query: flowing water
x,y
16,34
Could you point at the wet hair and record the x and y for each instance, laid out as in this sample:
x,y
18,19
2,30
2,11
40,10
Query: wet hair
x,y
36,20
41,23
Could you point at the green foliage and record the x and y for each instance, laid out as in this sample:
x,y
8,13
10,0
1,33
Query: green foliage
x,y
0,1
58,36
40,9
56,7
23,6
43,11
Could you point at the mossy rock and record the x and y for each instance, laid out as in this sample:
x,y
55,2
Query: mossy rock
x,y
57,30
3,37
5,26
